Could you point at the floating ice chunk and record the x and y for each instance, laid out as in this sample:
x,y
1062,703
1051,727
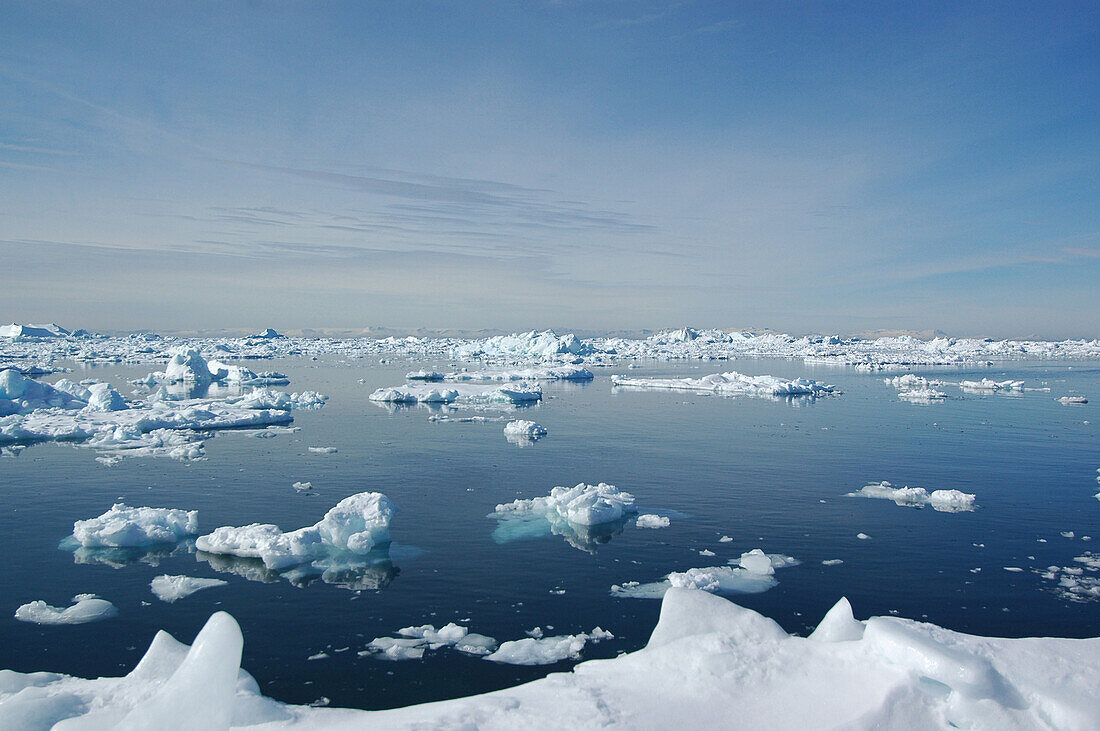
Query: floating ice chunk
x,y
839,625
518,393
239,375
262,398
1073,400
394,648
18,332
582,505
917,389
85,608
523,430
170,588
475,644
832,562
650,520
544,373
302,486
863,536
123,526
947,501
754,573
22,395
731,383
323,450
756,562
987,385
355,525
447,635
546,650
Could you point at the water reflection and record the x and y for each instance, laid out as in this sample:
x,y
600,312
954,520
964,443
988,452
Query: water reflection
x,y
356,572
587,538
120,557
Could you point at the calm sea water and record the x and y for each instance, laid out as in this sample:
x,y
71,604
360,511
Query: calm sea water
x,y
771,474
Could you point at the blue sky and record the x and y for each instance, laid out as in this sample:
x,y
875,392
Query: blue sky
x,y
812,166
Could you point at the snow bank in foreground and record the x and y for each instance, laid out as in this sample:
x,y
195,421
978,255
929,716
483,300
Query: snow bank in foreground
x,y
731,383
521,392
945,501
355,525
170,588
126,527
85,608
718,659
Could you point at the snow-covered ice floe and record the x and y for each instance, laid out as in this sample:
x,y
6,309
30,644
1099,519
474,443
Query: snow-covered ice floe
x,y
987,385
1067,400
463,393
752,573
731,384
720,660
126,527
535,373
650,520
85,608
523,432
172,588
917,389
945,501
354,527
585,515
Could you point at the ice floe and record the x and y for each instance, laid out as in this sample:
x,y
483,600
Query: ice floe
x,y
537,373
172,588
1067,400
85,608
730,383
752,573
523,432
945,501
126,527
917,389
546,650
464,393
1078,582
580,505
987,385
650,520
720,660
356,525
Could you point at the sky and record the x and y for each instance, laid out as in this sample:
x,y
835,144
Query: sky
x,y
801,166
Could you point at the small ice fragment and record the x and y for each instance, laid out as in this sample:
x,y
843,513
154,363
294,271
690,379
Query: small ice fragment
x,y
170,588
85,608
650,520
832,562
324,450
862,536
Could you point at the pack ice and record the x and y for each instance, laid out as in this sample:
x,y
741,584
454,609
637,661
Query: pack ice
x,y
730,383
706,654
98,415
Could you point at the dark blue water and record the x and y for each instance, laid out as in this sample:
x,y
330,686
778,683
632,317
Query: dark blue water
x,y
769,473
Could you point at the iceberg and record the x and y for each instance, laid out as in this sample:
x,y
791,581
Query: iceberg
x,y
519,393
730,384
126,527
355,525
945,501
708,654
85,608
581,505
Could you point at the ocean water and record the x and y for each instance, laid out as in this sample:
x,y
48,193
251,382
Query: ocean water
x,y
770,473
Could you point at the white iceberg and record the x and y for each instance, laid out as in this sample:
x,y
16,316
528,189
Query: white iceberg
x,y
519,393
355,525
987,385
85,608
126,527
650,520
706,654
581,505
172,588
945,501
522,431
731,384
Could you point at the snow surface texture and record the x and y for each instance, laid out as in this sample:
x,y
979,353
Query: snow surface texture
x,y
463,393
730,384
96,414
354,526
706,654
944,501
170,588
752,573
126,527
85,608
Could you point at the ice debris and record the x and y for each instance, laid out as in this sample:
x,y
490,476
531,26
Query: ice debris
x,y
1079,582
85,608
170,588
354,526
987,385
721,660
546,650
753,572
945,501
917,389
518,393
